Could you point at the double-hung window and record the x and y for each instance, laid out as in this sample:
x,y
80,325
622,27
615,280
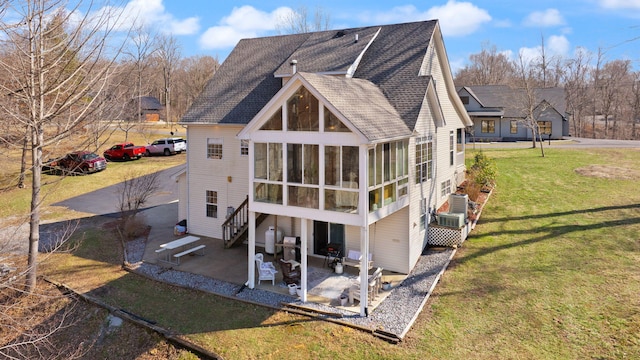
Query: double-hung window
x,y
424,159
214,148
211,202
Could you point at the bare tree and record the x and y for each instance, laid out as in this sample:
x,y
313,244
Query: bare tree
x,y
168,56
57,82
489,67
634,104
527,100
576,85
299,21
595,74
23,335
612,79
192,76
139,52
135,190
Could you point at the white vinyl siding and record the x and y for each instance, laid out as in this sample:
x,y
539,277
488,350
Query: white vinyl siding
x,y
229,177
389,242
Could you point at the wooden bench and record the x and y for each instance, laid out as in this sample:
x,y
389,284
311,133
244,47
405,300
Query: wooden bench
x,y
188,251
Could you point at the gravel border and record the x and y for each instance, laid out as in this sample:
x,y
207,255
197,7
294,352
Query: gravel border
x,y
395,315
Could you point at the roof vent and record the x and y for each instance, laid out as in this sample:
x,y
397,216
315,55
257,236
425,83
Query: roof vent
x,y
339,34
294,66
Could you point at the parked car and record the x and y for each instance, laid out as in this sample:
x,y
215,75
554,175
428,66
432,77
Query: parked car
x,y
124,151
166,146
84,162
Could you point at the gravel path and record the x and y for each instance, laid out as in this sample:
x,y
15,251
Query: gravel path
x,y
395,315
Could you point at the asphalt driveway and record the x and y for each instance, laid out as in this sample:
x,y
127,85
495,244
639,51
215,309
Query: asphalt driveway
x,y
105,201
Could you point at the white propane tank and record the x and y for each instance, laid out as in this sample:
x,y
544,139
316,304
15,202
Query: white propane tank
x,y
270,239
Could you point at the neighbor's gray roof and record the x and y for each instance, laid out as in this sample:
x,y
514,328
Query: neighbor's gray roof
x,y
503,96
148,103
247,80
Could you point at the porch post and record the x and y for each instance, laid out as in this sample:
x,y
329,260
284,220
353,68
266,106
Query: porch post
x,y
252,250
303,257
364,270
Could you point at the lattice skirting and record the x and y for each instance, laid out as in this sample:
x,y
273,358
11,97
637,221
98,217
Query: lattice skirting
x,y
447,236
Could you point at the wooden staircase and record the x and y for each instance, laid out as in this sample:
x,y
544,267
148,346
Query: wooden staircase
x,y
236,227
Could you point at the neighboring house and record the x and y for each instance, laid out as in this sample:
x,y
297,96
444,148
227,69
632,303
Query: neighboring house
x,y
350,137
498,112
150,109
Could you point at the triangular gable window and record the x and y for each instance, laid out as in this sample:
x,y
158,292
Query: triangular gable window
x,y
332,123
275,122
302,110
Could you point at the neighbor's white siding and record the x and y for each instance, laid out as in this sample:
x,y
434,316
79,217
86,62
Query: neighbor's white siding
x,y
228,176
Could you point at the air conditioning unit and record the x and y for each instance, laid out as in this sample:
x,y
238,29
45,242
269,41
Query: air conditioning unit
x,y
454,220
458,203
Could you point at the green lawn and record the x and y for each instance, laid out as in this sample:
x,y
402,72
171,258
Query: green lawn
x,y
551,271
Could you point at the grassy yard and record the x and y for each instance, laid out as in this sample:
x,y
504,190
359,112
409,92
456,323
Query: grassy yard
x,y
551,271
56,188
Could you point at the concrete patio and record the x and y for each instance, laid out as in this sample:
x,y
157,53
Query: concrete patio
x,y
230,265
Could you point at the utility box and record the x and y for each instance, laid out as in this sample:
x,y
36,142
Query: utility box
x,y
459,203
454,220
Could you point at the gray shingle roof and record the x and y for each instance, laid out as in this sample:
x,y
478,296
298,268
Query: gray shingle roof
x,y
503,96
377,120
247,80
244,83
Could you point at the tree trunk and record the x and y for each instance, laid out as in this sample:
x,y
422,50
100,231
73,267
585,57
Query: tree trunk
x,y
34,222
23,160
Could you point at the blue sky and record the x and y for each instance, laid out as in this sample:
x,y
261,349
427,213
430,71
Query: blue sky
x,y
213,27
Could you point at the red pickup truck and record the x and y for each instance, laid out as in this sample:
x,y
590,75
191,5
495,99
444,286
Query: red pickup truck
x,y
83,162
124,151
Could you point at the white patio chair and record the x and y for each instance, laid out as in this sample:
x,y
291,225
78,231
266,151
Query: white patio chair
x,y
373,287
266,270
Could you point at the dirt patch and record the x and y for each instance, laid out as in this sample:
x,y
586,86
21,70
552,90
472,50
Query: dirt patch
x,y
609,172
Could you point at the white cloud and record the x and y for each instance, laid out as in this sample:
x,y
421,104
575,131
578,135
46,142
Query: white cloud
x,y
555,45
187,26
620,4
558,45
150,13
243,22
547,18
456,18
459,18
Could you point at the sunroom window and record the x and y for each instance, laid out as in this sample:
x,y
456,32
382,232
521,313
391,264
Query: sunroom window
x,y
274,122
341,167
332,123
302,111
388,173
268,171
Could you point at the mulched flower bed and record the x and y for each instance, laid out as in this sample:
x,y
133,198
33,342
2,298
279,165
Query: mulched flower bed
x,y
472,215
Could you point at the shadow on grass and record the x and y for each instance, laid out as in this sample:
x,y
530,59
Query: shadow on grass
x,y
557,214
552,231
95,268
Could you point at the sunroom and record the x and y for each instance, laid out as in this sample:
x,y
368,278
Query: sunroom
x,y
321,156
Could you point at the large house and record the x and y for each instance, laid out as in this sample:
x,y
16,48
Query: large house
x,y
345,139
498,112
